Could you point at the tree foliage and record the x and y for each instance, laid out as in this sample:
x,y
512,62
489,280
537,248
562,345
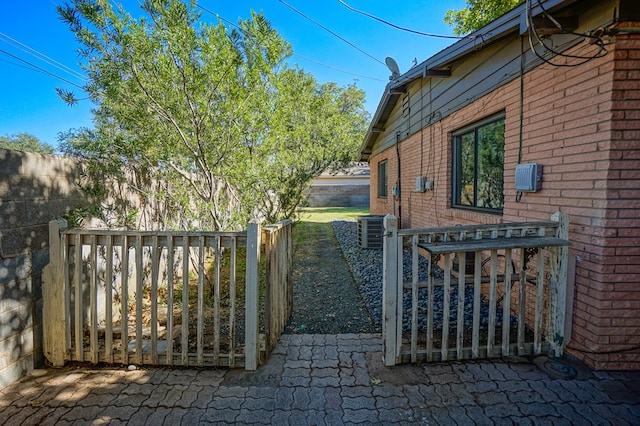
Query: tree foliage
x,y
213,112
477,14
25,142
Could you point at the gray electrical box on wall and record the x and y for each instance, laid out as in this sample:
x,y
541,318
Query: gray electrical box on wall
x,y
528,177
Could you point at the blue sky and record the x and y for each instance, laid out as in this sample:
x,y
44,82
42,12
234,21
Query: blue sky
x,y
29,103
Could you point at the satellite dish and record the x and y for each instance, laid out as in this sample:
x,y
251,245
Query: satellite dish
x,y
393,67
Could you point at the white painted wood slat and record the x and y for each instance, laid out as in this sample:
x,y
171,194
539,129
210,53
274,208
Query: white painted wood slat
x,y
170,298
251,304
124,294
78,300
414,298
232,303
139,298
444,348
108,288
184,332
477,294
200,319
216,300
93,300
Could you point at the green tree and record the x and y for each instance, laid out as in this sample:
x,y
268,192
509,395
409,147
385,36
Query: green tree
x,y
214,113
477,14
25,142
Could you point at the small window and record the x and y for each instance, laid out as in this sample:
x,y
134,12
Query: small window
x,y
478,166
382,179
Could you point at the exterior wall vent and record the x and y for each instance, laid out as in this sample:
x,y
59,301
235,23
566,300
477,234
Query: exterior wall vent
x,y
370,231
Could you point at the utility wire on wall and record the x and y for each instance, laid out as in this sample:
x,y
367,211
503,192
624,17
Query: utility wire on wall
x,y
533,33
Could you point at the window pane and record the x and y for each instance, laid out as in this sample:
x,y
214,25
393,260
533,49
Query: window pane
x,y
467,169
382,179
490,172
478,166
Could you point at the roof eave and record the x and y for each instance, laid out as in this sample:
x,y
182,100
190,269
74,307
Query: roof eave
x,y
495,30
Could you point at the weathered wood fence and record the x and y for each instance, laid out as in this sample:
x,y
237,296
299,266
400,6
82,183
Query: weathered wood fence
x,y
509,299
166,298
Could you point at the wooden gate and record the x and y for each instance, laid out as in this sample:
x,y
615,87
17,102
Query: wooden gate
x,y
165,298
469,292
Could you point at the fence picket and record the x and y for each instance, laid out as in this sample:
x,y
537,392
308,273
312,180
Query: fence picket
x,y
522,300
54,292
414,299
232,303
390,290
108,289
558,271
251,303
216,300
139,298
493,282
477,294
124,313
200,329
400,299
79,312
444,348
506,304
430,278
462,268
170,296
186,258
93,300
537,329
155,270
67,289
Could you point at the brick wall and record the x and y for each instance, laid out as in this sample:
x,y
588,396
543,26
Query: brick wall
x,y
34,189
612,302
583,125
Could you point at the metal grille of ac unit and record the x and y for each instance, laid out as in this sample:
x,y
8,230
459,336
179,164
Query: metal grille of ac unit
x,y
370,231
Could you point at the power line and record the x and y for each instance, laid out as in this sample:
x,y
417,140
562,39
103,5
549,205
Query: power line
x,y
37,68
368,15
39,55
294,53
331,32
16,64
339,69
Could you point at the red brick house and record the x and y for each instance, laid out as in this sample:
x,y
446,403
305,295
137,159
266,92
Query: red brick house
x,y
554,83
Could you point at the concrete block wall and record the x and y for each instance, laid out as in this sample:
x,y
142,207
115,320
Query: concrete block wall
x,y
338,196
34,189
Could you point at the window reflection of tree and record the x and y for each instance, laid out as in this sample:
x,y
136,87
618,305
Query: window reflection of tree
x,y
481,170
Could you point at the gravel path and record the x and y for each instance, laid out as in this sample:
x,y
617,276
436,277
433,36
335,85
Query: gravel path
x,y
338,286
325,298
366,266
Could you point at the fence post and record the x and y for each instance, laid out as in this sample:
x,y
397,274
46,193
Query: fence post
x,y
53,303
251,291
558,270
390,289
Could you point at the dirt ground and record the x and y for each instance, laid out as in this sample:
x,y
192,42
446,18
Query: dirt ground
x,y
325,297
